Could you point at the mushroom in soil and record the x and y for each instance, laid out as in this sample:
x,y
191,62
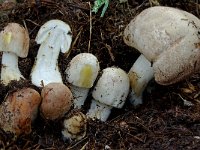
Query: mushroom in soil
x,y
14,42
75,126
54,36
81,74
19,110
57,100
110,91
168,38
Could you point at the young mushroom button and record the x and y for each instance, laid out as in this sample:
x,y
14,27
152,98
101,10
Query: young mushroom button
x,y
169,39
81,74
75,126
110,91
19,110
14,42
54,36
57,100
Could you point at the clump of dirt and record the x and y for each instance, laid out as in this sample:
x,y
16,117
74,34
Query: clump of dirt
x,y
162,122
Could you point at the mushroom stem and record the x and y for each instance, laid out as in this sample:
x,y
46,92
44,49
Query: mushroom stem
x,y
54,36
80,94
9,69
99,111
46,66
140,74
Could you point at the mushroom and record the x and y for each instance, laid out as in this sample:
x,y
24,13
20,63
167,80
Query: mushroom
x,y
56,101
110,91
54,36
169,39
81,74
19,110
14,42
75,126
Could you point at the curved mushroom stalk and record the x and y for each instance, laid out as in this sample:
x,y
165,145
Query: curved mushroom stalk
x,y
9,69
54,36
140,74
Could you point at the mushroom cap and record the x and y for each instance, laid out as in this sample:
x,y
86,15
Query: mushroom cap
x,y
75,125
83,70
19,110
56,101
15,38
169,38
112,88
61,28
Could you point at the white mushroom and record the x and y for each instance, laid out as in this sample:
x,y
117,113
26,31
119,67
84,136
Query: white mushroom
x,y
110,91
54,36
75,126
14,42
81,73
169,39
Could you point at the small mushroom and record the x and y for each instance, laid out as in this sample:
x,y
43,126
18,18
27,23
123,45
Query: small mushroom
x,y
81,74
54,36
169,39
110,91
14,42
19,110
57,100
75,126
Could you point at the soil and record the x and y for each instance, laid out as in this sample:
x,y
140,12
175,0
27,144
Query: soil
x,y
162,122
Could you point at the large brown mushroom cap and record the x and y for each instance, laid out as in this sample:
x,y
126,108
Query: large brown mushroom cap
x,y
19,110
15,38
56,101
168,37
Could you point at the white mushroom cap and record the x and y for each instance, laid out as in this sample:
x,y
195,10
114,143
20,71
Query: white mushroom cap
x,y
169,38
64,29
14,38
83,70
112,87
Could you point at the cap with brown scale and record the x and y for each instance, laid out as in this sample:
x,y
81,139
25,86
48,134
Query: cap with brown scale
x,y
19,110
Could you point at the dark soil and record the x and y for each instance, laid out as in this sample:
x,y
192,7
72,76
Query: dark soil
x,y
162,122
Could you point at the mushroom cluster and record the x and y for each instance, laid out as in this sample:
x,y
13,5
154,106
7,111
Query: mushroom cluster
x,y
167,38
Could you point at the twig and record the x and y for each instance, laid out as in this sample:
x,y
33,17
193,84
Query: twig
x,y
75,40
110,52
77,143
90,36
